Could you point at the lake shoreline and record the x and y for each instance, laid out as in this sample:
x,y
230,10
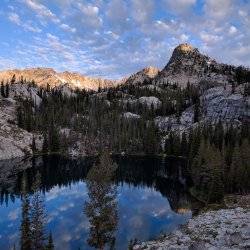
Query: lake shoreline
x,y
226,228
66,155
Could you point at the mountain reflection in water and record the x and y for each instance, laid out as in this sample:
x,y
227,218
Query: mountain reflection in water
x,y
148,197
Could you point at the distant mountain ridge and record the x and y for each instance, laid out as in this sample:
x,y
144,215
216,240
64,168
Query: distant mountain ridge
x,y
44,76
186,65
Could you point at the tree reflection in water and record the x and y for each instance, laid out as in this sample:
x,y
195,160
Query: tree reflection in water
x,y
101,207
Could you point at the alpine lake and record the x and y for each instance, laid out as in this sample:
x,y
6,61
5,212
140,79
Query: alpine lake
x,y
149,198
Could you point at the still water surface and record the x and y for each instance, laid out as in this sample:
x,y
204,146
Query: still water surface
x,y
150,198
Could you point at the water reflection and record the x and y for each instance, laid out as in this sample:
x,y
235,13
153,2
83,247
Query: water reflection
x,y
101,207
146,195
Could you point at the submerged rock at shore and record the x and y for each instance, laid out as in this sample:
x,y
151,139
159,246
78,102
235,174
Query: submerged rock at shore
x,y
222,229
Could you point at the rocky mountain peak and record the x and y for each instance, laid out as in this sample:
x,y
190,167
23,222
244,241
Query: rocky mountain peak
x,y
184,48
187,64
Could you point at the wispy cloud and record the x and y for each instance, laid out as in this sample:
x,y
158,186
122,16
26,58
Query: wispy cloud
x,y
28,26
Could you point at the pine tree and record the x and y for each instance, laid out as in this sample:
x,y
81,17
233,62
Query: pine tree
x,y
45,147
184,145
233,87
50,245
54,140
37,216
169,144
20,119
207,173
101,208
25,229
13,79
7,90
2,89
33,146
196,112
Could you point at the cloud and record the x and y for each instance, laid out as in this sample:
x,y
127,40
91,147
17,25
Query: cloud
x,y
41,10
13,17
28,26
6,63
218,9
184,38
47,15
90,15
232,30
65,207
180,6
117,15
209,39
142,11
117,11
66,27
13,215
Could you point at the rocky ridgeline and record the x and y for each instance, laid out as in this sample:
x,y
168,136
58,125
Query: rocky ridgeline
x,y
44,76
222,229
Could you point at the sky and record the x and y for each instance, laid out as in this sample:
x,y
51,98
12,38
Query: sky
x,y
115,38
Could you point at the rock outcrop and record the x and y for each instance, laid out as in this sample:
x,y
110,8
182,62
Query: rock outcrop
x,y
143,76
222,229
129,115
216,104
15,142
220,103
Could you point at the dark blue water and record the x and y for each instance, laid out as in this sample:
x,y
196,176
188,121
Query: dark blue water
x,y
151,199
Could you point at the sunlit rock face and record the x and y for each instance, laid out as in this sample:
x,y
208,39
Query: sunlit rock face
x,y
185,47
150,71
143,76
44,76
